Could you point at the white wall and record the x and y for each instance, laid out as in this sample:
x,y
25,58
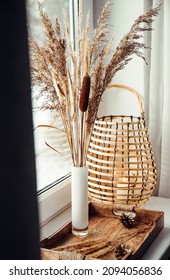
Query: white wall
x,y
123,14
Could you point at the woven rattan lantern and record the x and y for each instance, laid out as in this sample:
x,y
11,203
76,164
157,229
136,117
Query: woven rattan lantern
x,y
120,160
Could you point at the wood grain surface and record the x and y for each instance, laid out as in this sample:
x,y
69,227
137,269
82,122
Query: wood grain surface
x,y
106,232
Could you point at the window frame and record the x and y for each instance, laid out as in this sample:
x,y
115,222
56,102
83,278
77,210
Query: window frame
x,y
54,205
54,201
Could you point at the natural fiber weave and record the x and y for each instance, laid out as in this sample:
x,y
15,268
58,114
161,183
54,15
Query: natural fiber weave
x,y
120,159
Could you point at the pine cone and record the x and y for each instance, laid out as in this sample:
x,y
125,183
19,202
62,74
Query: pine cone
x,y
127,220
121,250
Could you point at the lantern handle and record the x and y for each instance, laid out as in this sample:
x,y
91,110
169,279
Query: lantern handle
x,y
131,90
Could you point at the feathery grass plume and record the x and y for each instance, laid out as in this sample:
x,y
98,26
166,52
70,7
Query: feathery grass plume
x,y
58,70
128,46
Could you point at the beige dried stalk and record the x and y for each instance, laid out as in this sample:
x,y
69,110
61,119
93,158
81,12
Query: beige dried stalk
x,y
99,247
57,70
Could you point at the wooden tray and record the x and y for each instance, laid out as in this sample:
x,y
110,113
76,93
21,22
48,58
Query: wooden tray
x,y
106,233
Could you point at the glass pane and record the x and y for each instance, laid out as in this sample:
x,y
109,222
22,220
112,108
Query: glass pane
x,y
51,147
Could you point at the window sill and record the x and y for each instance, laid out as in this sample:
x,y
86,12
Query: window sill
x,y
56,224
160,248
54,208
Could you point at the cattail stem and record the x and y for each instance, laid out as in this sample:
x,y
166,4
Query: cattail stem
x,y
81,139
83,105
84,95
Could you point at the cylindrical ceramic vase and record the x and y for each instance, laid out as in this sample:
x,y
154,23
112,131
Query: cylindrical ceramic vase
x,y
79,194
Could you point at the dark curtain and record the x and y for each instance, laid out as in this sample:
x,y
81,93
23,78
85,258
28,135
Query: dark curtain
x,y
19,229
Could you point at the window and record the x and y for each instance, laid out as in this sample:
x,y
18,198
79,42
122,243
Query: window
x,y
53,167
51,148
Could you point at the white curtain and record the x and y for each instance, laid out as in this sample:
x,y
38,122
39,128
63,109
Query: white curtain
x,y
157,94
152,79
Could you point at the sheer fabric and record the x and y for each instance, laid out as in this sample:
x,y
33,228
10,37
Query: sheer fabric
x,y
157,95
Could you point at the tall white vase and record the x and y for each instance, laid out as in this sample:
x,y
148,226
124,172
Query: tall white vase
x,y
79,194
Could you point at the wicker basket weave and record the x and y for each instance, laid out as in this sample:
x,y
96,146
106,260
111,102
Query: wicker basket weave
x,y
120,160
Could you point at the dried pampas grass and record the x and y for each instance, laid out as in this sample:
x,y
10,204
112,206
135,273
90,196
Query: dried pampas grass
x,y
72,81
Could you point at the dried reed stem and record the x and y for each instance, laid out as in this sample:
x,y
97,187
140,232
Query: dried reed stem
x,y
99,247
